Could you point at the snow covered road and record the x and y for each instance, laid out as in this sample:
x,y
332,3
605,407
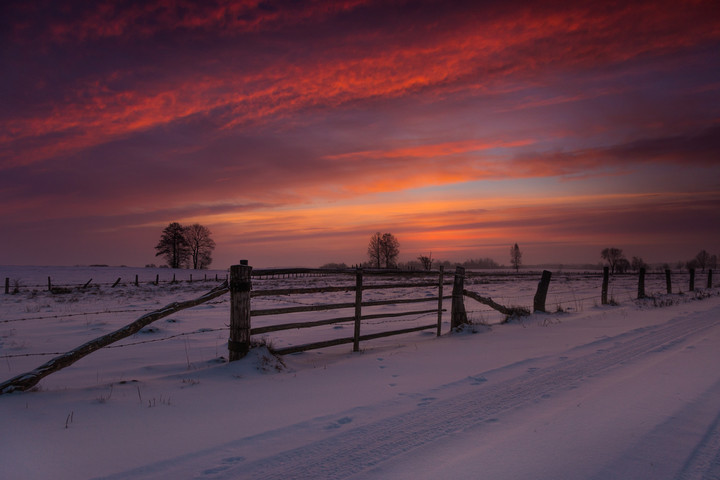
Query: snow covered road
x,y
640,404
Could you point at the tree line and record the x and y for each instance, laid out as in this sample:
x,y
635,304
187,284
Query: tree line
x,y
617,262
190,246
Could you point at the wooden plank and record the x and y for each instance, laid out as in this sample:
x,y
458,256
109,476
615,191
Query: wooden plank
x,y
28,380
341,341
331,321
349,288
336,306
240,286
519,311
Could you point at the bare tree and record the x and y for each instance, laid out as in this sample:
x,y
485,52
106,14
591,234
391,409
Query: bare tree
x,y
374,249
173,245
702,259
383,248
515,257
638,263
426,261
390,250
612,255
200,244
622,265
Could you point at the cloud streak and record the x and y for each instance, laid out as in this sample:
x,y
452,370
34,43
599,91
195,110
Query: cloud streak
x,y
272,119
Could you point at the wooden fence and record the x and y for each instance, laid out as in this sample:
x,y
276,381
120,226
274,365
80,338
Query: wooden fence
x,y
241,312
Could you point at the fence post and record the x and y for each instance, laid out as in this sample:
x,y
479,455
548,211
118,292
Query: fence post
x,y
668,281
440,299
157,279
136,280
641,284
709,283
541,294
358,308
49,285
7,285
606,282
692,279
240,286
458,316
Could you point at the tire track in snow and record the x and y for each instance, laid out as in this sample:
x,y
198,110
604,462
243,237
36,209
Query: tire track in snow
x,y
364,447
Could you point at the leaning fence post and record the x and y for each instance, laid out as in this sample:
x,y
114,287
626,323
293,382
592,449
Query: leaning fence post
x,y
358,309
692,279
606,282
240,286
541,294
641,284
440,299
709,283
668,281
458,316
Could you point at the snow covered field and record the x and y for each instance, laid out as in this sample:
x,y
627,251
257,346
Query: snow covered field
x,y
627,391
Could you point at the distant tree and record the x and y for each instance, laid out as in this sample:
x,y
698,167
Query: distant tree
x,y
374,249
335,266
638,263
622,265
390,250
383,248
480,263
200,244
612,255
426,261
515,257
702,259
173,245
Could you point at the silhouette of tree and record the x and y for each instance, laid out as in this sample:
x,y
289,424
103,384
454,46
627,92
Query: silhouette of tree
x,y
200,244
612,255
390,250
702,259
426,261
383,248
173,245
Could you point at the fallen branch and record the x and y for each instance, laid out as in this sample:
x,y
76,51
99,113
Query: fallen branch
x,y
28,380
509,311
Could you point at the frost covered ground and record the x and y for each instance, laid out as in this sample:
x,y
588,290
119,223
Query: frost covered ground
x,y
588,391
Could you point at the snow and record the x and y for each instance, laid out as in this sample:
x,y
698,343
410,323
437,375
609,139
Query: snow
x,y
600,392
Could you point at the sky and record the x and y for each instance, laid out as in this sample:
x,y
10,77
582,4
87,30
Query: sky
x,y
296,130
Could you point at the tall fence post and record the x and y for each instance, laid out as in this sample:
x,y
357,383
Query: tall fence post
x,y
641,284
440,299
709,281
458,316
136,280
668,281
49,285
358,309
541,294
605,285
240,286
692,279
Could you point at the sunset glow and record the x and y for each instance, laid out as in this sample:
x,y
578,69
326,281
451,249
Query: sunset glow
x,y
295,130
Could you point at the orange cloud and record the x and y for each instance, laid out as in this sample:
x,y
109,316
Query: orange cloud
x,y
467,52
